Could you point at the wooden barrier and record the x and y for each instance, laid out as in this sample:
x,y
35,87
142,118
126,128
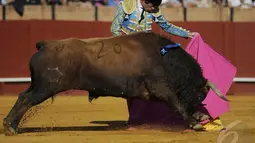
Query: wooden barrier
x,y
244,15
225,14
106,13
15,38
207,14
46,12
18,39
75,13
173,14
1,12
78,13
11,14
40,12
243,48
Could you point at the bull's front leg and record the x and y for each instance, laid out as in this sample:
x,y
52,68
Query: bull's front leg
x,y
10,123
173,100
162,92
200,116
26,100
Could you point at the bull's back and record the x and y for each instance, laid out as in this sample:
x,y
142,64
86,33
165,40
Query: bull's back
x,y
118,55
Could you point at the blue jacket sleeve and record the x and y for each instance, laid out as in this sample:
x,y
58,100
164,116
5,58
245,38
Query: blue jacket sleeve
x,y
168,27
117,21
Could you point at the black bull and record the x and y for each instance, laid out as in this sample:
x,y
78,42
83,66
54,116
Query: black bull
x,y
128,66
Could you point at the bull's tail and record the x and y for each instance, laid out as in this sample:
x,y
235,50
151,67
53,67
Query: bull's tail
x,y
216,90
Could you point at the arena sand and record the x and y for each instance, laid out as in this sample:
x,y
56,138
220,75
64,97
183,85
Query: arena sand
x,y
72,119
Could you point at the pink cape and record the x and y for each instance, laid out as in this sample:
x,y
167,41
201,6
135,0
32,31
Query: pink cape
x,y
215,68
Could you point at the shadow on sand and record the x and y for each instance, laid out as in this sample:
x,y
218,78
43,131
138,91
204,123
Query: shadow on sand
x,y
111,126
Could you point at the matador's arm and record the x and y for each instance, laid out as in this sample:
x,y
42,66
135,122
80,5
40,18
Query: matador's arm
x,y
168,27
117,21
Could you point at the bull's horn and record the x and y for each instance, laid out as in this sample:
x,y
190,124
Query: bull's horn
x,y
216,90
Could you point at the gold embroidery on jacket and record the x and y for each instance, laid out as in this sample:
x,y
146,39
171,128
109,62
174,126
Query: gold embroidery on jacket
x,y
129,6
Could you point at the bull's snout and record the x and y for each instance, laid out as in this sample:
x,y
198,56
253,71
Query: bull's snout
x,y
40,45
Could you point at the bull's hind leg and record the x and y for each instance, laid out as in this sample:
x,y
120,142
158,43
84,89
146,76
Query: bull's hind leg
x,y
26,100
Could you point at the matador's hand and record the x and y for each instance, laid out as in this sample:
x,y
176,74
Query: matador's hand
x,y
192,34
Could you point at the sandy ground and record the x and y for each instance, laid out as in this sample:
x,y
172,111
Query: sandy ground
x,y
72,119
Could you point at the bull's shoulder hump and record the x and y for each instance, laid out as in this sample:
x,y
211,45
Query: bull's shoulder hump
x,y
68,39
74,40
100,39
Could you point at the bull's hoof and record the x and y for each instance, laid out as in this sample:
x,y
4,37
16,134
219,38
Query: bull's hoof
x,y
204,117
197,127
8,130
201,116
